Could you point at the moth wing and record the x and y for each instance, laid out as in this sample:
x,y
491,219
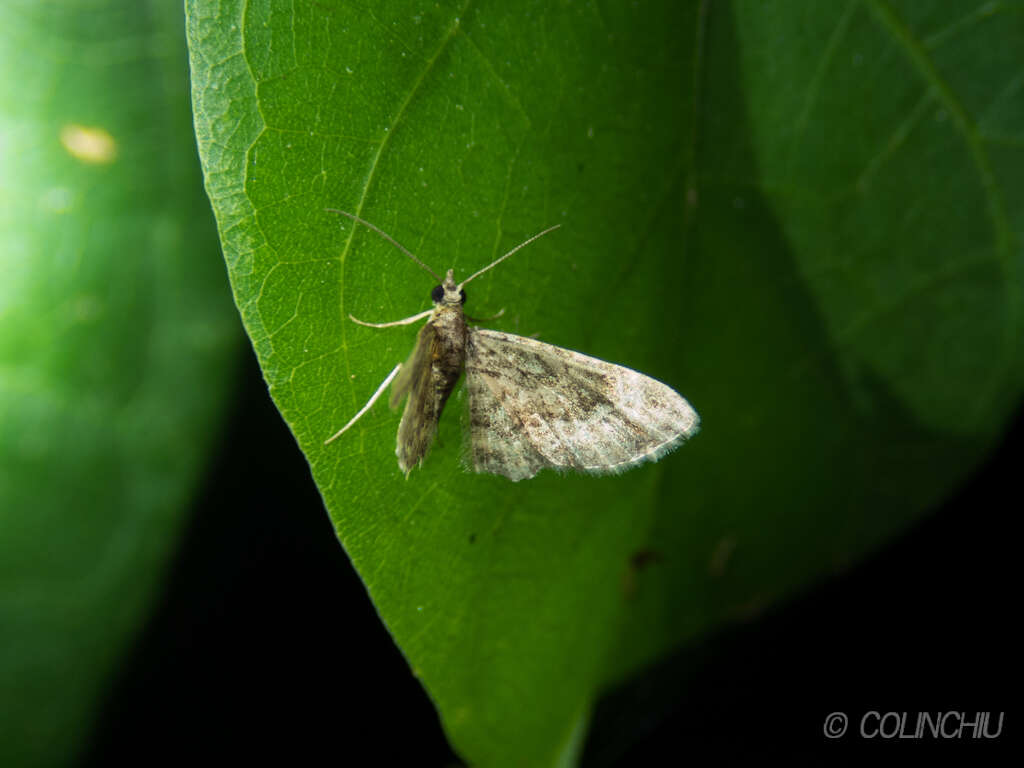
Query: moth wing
x,y
419,419
534,405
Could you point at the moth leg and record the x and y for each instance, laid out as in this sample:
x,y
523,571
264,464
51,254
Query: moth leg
x,y
365,408
404,321
486,319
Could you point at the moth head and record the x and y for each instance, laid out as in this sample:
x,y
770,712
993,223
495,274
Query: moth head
x,y
448,294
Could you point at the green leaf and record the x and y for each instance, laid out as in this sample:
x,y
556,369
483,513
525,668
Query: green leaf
x,y
806,219
116,338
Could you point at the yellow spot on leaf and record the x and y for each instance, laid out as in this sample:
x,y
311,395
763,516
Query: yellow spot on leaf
x,y
90,145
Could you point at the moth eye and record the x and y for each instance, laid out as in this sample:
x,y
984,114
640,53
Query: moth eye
x,y
437,294
462,295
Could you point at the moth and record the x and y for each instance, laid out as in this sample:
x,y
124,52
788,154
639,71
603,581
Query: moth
x,y
531,405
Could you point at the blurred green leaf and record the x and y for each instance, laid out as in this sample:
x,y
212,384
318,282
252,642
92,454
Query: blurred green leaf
x,y
116,336
804,217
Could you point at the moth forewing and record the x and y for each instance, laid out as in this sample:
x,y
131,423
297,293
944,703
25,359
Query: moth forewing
x,y
419,419
534,405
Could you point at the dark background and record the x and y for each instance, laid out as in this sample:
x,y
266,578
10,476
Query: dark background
x,y
265,642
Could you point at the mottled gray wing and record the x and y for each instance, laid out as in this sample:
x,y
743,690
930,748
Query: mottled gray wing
x,y
419,419
534,405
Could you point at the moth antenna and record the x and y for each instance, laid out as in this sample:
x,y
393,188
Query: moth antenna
x,y
390,239
497,261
